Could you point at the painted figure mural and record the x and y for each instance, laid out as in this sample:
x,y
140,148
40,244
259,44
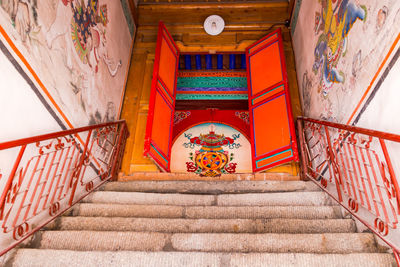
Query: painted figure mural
x,y
79,49
339,47
333,23
85,39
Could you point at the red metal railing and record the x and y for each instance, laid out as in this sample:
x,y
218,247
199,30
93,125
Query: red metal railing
x,y
42,176
356,167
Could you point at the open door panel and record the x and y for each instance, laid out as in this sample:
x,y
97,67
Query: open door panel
x,y
162,100
272,129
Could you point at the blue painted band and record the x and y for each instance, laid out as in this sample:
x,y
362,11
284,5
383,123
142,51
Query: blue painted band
x,y
252,101
188,62
220,62
232,62
211,89
291,154
211,97
198,62
243,61
166,161
208,62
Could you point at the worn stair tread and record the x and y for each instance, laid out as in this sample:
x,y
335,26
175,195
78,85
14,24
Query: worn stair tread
x,y
150,198
208,242
271,199
210,187
251,199
278,243
178,225
67,258
208,212
184,177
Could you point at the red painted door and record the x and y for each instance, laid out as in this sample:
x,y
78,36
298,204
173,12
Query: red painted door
x,y
162,100
272,129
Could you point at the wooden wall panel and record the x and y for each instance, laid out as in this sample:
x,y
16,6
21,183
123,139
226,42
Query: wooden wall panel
x,y
190,37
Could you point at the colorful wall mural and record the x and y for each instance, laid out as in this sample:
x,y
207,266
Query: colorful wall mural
x,y
347,60
211,149
75,55
211,85
339,47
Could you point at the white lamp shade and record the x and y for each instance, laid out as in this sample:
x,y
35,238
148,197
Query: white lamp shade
x,y
214,25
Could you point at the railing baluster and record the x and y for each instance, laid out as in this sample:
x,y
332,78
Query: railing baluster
x,y
391,172
363,172
60,175
370,183
328,140
45,175
356,163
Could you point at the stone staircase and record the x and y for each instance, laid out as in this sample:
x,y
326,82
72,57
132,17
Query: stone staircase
x,y
203,223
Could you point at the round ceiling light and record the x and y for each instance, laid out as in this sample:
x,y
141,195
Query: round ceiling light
x,y
214,25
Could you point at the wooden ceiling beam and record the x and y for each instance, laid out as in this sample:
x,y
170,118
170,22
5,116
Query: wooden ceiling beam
x,y
232,13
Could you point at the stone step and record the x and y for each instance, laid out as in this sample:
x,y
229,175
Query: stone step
x,y
210,187
168,225
260,199
273,199
205,212
164,176
67,258
244,243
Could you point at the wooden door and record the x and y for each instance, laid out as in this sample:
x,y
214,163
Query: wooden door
x,y
272,129
162,100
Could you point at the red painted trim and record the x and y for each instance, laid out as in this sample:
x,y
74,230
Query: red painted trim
x,y
267,99
393,246
374,78
157,162
35,76
275,151
81,161
216,53
280,162
268,89
11,177
150,116
264,46
38,138
293,143
176,135
165,94
159,149
288,102
265,37
378,134
163,34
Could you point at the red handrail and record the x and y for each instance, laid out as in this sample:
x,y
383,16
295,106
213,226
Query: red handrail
x,y
354,166
49,173
373,133
38,138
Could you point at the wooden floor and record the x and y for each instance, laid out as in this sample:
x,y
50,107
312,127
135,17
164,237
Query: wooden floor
x,y
245,24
